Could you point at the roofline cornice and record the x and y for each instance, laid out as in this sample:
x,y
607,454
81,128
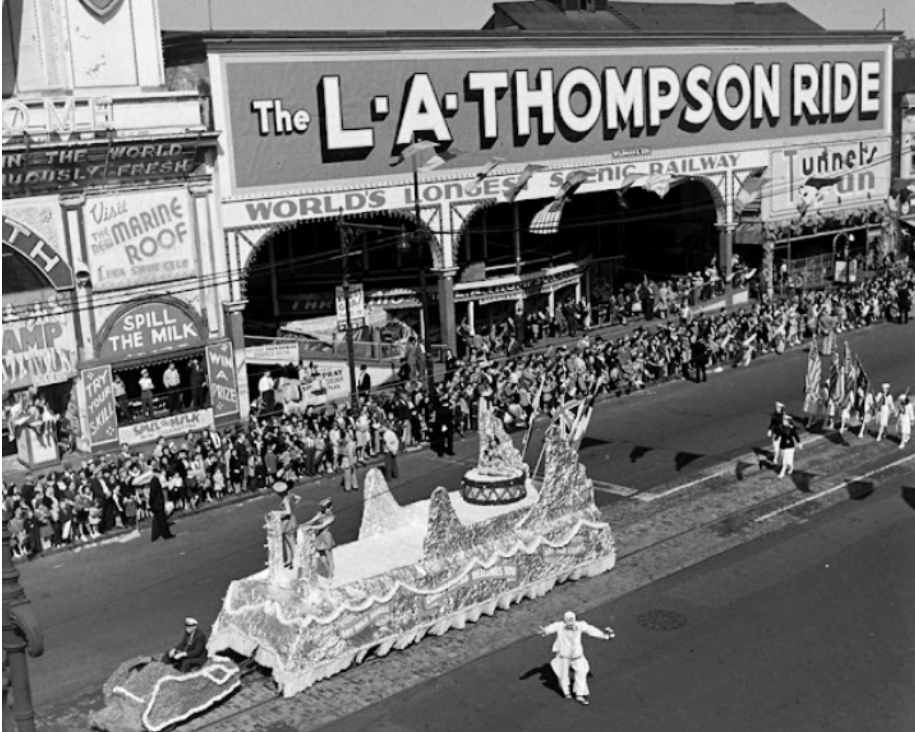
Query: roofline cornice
x,y
257,42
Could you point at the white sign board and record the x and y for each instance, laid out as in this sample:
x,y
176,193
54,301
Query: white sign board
x,y
140,238
172,426
826,176
356,307
273,353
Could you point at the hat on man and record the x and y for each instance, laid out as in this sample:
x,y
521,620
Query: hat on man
x,y
569,617
779,405
326,503
190,622
281,486
885,387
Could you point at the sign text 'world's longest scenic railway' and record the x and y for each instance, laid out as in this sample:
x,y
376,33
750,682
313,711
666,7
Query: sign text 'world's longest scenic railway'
x,y
293,119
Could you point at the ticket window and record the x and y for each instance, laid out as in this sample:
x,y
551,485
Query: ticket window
x,y
134,406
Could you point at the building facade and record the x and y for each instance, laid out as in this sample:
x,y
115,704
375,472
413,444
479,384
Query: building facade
x,y
550,154
109,220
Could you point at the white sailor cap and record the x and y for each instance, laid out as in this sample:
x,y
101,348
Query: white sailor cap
x,y
191,622
569,617
779,405
884,386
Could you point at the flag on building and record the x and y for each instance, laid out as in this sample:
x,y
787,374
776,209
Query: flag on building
x,y
523,179
438,160
546,220
749,192
658,183
481,174
412,150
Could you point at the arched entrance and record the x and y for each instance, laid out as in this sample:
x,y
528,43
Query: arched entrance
x,y
291,277
604,240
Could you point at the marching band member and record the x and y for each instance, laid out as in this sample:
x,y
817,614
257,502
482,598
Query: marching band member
x,y
884,408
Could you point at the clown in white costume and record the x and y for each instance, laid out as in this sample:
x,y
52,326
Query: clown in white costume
x,y
570,654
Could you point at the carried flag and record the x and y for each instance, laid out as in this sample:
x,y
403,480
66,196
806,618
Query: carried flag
x,y
566,417
836,379
812,383
850,371
863,383
584,418
535,410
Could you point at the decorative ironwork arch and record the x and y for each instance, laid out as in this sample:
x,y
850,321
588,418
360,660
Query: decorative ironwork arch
x,y
473,208
435,244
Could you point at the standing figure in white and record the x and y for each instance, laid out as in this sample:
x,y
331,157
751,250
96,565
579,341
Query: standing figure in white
x,y
570,655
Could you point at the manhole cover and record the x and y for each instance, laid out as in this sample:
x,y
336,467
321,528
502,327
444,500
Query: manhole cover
x,y
661,620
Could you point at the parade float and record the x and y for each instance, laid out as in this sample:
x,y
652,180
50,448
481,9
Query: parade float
x,y
418,569
147,694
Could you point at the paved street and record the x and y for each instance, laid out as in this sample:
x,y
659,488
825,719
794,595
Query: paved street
x,y
808,629
102,605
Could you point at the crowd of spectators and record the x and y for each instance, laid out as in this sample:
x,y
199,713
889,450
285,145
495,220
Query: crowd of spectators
x,y
507,368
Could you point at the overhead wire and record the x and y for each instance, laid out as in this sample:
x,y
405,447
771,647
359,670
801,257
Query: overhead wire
x,y
108,298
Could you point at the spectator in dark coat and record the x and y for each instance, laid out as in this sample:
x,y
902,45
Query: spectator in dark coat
x,y
157,508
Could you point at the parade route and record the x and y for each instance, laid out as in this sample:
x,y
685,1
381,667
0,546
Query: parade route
x,y
140,591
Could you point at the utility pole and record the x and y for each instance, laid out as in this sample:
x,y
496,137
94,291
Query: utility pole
x,y
345,235
421,236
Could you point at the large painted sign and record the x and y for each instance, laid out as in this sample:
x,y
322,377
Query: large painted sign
x,y
30,171
101,409
147,329
39,339
827,176
140,238
223,388
599,176
293,118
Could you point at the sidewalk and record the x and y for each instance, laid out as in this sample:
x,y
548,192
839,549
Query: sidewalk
x,y
13,469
